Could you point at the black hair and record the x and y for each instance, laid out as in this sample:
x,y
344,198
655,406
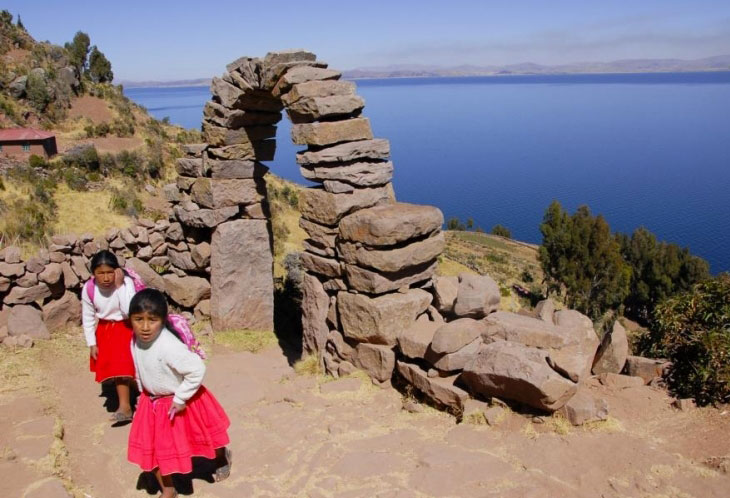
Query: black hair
x,y
151,301
104,257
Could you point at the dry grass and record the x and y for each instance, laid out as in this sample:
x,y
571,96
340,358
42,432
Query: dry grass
x,y
610,425
308,365
252,341
475,418
81,212
504,260
558,424
528,430
448,268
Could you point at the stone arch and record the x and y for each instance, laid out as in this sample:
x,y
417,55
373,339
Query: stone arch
x,y
367,259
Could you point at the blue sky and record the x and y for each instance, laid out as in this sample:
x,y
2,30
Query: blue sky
x,y
166,40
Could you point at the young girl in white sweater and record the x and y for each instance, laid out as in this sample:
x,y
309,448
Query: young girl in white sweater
x,y
177,418
105,309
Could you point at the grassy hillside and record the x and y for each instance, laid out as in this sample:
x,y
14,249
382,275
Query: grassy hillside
x,y
113,154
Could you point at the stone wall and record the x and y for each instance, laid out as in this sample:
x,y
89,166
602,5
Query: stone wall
x,y
42,293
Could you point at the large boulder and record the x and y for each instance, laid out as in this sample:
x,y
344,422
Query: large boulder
x,y
309,109
646,368
27,320
529,331
509,370
372,282
453,336
452,362
445,290
378,149
17,87
242,294
51,274
477,296
381,319
60,313
613,351
327,208
441,391
27,295
201,218
584,407
219,193
186,291
149,276
315,307
392,259
390,224
414,341
377,360
331,132
361,174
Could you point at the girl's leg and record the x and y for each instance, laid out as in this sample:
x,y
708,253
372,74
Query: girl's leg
x,y
168,490
122,385
223,460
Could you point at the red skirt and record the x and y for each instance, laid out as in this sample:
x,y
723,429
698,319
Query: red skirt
x,y
114,359
155,441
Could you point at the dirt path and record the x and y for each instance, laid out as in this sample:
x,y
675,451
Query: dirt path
x,y
304,436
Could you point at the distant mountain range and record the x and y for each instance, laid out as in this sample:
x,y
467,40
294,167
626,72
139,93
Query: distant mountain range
x,y
716,63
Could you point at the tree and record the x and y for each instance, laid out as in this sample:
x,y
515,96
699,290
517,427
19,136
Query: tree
x,y
100,69
469,223
19,23
454,224
501,231
78,50
580,256
658,270
692,329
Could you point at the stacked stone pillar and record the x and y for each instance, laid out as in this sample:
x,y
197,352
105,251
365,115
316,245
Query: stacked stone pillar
x,y
365,256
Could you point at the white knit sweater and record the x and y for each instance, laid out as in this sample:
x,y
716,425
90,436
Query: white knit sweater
x,y
107,305
166,366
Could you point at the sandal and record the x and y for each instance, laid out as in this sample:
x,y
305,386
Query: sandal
x,y
119,417
222,473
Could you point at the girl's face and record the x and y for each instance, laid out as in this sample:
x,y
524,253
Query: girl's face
x,y
146,326
104,276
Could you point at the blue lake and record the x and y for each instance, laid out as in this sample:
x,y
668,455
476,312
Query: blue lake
x,y
646,149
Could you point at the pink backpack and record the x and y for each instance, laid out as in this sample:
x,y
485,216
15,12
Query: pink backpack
x,y
178,323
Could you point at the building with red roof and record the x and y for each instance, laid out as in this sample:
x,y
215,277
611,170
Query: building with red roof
x,y
24,142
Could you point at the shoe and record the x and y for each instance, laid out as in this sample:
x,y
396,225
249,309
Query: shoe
x,y
119,417
222,473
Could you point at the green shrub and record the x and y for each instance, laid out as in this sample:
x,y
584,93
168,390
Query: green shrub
x,y
130,163
37,92
501,231
453,223
35,161
75,179
27,220
125,202
84,157
692,329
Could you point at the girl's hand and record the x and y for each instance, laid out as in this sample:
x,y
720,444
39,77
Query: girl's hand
x,y
94,351
118,278
175,409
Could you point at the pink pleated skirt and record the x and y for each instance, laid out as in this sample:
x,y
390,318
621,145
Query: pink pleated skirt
x,y
155,441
